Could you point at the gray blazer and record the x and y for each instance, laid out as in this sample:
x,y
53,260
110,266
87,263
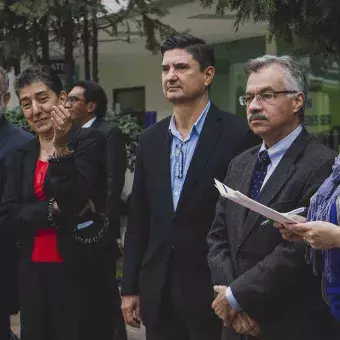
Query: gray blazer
x,y
269,276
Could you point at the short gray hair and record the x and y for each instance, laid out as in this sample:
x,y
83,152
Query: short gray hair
x,y
295,78
5,79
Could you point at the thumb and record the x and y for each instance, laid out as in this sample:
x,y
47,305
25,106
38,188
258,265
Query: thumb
x,y
218,289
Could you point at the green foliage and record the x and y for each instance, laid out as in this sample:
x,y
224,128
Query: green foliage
x,y
314,21
16,116
131,131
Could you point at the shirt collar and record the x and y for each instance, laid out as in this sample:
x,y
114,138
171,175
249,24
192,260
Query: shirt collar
x,y
197,127
89,123
279,149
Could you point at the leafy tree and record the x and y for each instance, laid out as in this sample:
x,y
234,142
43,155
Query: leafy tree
x,y
28,28
315,22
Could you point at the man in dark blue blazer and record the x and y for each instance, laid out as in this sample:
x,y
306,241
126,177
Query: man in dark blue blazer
x,y
11,137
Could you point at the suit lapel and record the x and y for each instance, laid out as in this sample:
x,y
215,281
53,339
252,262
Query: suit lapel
x,y
275,183
208,138
163,160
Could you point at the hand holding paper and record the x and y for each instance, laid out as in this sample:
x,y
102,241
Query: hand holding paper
x,y
249,203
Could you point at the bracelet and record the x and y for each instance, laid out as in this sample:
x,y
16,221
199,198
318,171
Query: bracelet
x,y
57,158
50,218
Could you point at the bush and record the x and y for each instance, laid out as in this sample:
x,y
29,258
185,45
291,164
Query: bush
x,y
16,116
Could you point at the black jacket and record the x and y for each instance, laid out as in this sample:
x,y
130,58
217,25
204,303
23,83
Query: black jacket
x,y
116,167
71,182
11,138
155,232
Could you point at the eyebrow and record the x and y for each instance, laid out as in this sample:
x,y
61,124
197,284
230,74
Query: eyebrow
x,y
267,88
35,95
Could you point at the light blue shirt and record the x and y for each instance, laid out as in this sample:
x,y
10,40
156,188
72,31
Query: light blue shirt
x,y
275,153
181,153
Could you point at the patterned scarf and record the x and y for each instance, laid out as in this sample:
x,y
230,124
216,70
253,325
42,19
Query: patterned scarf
x,y
320,210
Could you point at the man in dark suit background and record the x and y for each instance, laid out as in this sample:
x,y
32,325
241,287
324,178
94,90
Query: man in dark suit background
x,y
166,279
87,103
11,137
265,286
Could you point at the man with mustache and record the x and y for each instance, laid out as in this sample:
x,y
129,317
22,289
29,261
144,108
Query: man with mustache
x,y
265,288
166,280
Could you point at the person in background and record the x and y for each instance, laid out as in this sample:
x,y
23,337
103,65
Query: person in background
x,y
11,138
87,104
265,288
53,182
166,280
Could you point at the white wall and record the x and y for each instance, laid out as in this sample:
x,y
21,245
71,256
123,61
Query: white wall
x,y
131,72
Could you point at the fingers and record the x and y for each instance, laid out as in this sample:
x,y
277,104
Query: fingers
x,y
91,206
130,307
300,228
219,289
237,325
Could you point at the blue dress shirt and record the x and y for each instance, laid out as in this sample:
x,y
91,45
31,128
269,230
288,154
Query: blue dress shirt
x,y
276,153
181,153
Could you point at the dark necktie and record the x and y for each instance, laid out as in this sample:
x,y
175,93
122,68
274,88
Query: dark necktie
x,y
259,173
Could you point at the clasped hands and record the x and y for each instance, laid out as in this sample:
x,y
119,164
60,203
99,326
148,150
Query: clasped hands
x,y
239,321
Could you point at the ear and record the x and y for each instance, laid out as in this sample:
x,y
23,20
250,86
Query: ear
x,y
91,107
298,102
62,98
6,98
209,73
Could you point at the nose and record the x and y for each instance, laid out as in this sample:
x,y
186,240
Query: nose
x,y
36,109
254,106
68,104
171,75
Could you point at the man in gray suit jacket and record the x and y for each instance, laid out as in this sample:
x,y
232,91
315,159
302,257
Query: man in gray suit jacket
x,y
265,288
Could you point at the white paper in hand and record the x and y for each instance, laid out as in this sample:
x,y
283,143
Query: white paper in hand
x,y
249,203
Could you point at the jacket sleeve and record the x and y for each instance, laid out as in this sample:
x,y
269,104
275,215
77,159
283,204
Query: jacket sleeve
x,y
74,178
137,233
218,243
15,217
270,280
116,167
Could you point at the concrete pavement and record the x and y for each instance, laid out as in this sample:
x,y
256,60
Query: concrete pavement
x,y
133,333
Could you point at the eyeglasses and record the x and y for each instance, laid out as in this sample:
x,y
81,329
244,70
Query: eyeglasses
x,y
266,97
179,161
74,99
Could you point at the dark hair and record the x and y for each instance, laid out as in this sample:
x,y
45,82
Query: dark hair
x,y
197,47
39,73
93,92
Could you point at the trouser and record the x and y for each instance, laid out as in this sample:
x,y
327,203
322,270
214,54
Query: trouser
x,y
48,301
4,324
100,303
174,322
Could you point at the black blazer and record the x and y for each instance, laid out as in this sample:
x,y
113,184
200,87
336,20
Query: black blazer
x,y
267,275
71,182
11,137
116,168
155,232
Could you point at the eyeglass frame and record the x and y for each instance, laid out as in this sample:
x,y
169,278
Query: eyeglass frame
x,y
259,96
74,99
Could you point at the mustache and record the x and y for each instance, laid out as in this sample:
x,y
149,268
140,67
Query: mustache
x,y
257,116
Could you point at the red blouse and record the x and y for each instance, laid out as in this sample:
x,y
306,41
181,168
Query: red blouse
x,y
45,241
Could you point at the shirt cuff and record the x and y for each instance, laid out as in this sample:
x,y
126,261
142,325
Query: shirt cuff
x,y
232,301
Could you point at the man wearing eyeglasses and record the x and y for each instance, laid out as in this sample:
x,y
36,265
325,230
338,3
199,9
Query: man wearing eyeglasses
x,y
11,137
166,281
265,287
102,316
